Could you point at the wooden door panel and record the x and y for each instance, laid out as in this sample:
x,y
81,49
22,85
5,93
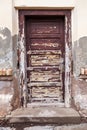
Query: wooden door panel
x,y
45,59
45,76
49,92
44,27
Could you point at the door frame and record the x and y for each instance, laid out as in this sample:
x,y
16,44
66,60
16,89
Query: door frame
x,y
68,50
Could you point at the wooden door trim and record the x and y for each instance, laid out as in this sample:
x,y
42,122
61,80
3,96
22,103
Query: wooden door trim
x,y
22,50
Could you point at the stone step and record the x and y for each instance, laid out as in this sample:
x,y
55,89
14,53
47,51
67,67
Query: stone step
x,y
64,127
45,114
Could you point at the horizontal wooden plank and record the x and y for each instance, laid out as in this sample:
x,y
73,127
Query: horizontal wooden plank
x,y
44,52
37,84
45,68
44,36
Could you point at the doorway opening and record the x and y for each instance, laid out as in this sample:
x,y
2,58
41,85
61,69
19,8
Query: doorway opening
x,y
46,67
45,49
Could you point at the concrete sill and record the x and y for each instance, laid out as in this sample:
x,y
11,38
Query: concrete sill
x,y
45,114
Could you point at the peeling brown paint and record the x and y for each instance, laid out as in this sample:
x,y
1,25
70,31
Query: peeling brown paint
x,y
44,28
47,94
50,76
39,60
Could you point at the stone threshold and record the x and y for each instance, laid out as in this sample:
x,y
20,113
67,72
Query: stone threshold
x,y
45,115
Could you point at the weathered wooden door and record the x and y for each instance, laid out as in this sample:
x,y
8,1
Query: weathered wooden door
x,y
45,50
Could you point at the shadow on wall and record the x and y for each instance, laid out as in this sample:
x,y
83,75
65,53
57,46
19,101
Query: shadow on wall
x,y
79,55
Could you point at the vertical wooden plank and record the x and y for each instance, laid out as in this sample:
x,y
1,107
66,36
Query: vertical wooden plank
x,y
68,59
22,66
